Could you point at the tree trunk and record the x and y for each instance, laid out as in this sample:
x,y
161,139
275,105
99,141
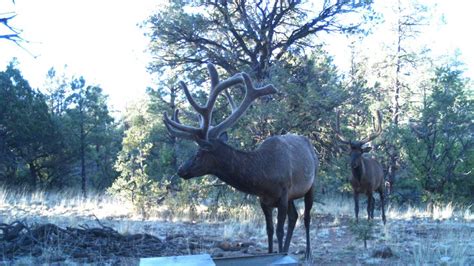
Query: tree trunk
x,y
33,175
393,152
83,163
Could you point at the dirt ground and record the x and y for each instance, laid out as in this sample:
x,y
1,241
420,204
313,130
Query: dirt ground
x,y
334,241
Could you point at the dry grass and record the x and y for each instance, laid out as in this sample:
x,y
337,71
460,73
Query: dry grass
x,y
61,205
449,249
432,211
339,206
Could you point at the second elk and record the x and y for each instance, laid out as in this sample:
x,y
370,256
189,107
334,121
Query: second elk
x,y
367,173
280,170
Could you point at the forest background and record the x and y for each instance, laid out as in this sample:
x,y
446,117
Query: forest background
x,y
63,136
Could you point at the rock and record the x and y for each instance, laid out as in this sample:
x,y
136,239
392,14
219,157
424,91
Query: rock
x,y
251,250
445,259
228,246
247,244
299,251
383,252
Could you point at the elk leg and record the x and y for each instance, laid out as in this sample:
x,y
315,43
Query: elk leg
x,y
282,211
356,205
372,207
308,204
382,201
267,211
369,205
292,218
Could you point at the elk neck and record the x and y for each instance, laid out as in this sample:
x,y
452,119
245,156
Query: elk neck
x,y
239,169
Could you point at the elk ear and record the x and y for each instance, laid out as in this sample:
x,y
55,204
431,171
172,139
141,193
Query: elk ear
x,y
205,145
223,137
366,149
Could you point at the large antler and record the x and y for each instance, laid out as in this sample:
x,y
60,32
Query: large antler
x,y
206,131
338,130
251,93
378,129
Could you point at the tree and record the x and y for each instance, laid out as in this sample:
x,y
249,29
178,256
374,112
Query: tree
x,y
26,128
400,72
44,138
89,122
440,146
273,41
243,35
141,174
164,98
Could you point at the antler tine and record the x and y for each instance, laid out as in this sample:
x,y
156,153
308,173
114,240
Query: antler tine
x,y
190,98
251,93
338,130
234,80
213,74
200,109
215,82
205,112
216,88
377,132
175,115
175,131
230,100
178,126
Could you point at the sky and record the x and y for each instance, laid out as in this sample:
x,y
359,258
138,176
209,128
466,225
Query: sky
x,y
100,40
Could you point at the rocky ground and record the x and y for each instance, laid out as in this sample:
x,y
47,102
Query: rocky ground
x,y
31,237
334,242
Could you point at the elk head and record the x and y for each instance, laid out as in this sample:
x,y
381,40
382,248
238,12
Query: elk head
x,y
211,139
357,148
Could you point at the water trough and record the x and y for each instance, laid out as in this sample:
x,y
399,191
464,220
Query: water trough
x,y
281,259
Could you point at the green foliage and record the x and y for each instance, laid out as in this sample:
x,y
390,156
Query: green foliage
x,y
66,137
27,132
440,148
363,230
243,35
134,184
138,170
90,137
251,36
44,138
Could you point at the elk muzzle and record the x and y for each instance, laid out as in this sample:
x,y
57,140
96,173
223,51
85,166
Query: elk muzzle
x,y
184,172
355,160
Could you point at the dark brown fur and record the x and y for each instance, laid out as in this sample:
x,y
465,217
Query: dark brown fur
x,y
281,169
367,177
367,173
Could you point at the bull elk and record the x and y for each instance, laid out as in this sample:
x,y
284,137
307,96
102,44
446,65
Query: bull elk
x,y
367,173
280,170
